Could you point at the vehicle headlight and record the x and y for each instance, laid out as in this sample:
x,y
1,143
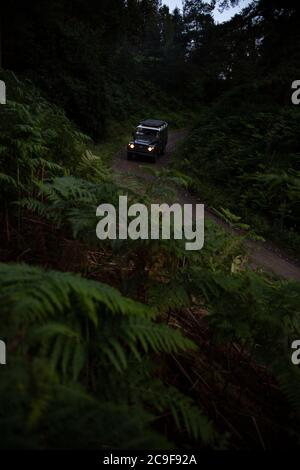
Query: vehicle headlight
x,y
131,146
150,149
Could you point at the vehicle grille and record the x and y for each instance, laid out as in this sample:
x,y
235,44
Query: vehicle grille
x,y
141,148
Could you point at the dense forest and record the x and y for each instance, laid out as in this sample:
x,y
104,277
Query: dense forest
x,y
141,344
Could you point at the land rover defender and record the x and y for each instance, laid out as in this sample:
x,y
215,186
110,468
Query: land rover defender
x,y
149,140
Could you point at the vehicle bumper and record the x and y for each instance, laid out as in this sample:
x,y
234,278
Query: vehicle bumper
x,y
141,153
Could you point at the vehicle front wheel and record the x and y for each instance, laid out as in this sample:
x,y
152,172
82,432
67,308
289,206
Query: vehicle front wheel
x,y
129,156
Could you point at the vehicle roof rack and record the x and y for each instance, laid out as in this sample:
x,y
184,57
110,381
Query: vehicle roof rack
x,y
153,123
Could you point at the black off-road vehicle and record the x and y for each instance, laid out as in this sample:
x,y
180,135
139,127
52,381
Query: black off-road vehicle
x,y
149,139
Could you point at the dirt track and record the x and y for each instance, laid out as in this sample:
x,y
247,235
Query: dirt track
x,y
263,255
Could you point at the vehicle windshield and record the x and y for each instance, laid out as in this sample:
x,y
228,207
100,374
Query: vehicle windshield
x,y
145,134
